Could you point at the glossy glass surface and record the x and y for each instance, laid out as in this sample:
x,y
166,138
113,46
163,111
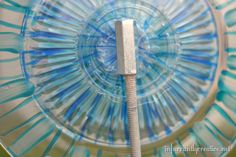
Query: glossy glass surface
x,y
71,60
60,94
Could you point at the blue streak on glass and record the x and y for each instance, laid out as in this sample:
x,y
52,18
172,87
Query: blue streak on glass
x,y
91,115
189,27
124,114
230,17
62,94
69,113
27,122
15,89
52,143
110,115
216,129
148,120
21,105
225,115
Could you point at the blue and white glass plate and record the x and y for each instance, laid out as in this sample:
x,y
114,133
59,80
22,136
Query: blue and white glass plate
x,y
60,94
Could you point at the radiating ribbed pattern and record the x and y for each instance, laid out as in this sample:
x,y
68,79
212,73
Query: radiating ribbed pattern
x,y
71,59
60,94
